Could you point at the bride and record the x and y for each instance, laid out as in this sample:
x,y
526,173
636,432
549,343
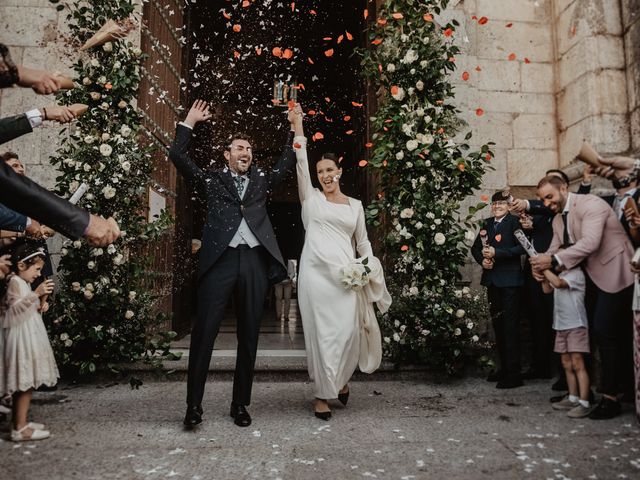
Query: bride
x,y
339,323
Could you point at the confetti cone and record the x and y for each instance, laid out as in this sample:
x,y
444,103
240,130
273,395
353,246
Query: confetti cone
x,y
110,31
588,155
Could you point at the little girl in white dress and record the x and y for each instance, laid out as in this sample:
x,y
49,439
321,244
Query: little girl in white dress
x,y
26,357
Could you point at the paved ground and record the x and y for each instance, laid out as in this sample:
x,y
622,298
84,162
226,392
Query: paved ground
x,y
390,430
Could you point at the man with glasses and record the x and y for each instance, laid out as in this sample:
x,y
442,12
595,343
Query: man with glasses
x,y
498,252
239,256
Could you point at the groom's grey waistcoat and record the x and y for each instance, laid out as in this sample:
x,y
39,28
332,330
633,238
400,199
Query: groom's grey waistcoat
x,y
225,209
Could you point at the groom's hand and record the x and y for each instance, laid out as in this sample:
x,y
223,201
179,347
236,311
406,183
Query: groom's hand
x,y
199,113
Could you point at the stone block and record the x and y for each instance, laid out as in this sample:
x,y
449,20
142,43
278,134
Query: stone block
x,y
560,6
52,58
531,40
45,175
535,131
591,54
630,12
537,78
517,102
570,140
586,18
492,127
633,85
526,167
497,75
496,179
609,135
634,119
632,42
27,26
515,10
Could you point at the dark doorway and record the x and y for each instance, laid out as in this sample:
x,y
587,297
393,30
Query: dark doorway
x,y
232,65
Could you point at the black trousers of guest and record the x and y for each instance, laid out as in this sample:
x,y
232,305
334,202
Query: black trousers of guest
x,y
612,329
241,272
504,307
539,311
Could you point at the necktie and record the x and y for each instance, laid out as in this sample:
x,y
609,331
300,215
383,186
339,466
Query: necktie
x,y
565,235
239,184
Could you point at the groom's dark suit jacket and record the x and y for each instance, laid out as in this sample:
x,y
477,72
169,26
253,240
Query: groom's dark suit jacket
x,y
225,209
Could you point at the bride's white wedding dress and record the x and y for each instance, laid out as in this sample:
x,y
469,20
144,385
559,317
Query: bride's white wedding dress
x,y
340,327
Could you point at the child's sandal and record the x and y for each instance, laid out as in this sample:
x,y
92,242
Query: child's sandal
x,y
36,434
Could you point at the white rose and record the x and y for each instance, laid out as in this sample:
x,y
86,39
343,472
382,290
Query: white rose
x,y
460,313
414,291
108,47
475,338
68,343
424,64
466,290
64,252
97,252
64,336
132,295
399,155
86,167
118,259
86,81
75,286
122,104
420,112
425,332
125,131
91,265
404,37
111,249
89,139
457,332
137,52
105,149
109,192
105,136
95,63
470,325
412,145
128,315
102,79
458,294
77,244
439,238
126,166
90,287
117,65
396,337
406,213
420,85
410,57
104,106
437,221
419,225
88,294
391,68
399,95
387,340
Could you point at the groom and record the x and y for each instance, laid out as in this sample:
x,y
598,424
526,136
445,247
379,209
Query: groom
x,y
239,257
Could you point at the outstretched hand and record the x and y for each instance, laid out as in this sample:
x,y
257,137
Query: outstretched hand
x,y
199,113
615,166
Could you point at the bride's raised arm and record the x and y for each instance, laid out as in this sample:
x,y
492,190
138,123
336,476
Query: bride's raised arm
x,y
305,188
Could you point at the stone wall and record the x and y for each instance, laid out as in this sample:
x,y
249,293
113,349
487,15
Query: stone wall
x,y
631,35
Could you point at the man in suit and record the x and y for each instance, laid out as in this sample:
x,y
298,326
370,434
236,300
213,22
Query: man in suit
x,y
239,257
502,275
594,238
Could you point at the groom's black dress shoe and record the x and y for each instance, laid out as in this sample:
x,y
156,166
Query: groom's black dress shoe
x,y
193,416
240,415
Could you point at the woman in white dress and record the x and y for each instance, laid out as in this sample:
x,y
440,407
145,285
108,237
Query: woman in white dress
x,y
340,327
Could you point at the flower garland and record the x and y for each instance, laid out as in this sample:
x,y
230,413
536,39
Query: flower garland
x,y
103,310
424,174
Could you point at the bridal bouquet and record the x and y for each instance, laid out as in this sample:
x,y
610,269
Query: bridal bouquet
x,y
355,275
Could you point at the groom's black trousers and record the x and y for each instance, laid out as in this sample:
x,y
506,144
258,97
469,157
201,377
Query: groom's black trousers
x,y
241,272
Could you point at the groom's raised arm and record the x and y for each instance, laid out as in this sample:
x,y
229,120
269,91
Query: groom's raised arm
x,y
179,149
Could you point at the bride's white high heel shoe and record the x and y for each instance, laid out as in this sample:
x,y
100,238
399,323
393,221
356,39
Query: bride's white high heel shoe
x,y
36,434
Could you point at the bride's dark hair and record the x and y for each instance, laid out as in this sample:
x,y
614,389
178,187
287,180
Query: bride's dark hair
x,y
330,156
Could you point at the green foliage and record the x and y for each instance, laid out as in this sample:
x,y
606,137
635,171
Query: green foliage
x,y
104,311
425,170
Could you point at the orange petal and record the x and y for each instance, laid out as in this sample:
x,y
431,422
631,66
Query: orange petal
x,y
313,12
478,69
258,51
428,17
465,76
319,135
246,3
448,32
526,60
236,54
349,132
404,248
293,6
349,36
483,20
461,167
484,198
512,56
297,145
368,145
237,28
329,53
311,112
397,16
340,38
377,41
488,157
226,15
291,104
394,90
366,13
356,104
277,52
287,54
362,163
382,21
310,60
327,99
347,118
385,163
479,112
509,25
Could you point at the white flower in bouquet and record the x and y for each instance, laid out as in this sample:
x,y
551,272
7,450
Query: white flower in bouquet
x,y
404,38
97,252
414,291
118,259
77,244
126,166
427,163
98,328
95,63
64,336
86,81
412,145
102,79
427,119
457,332
68,342
113,291
88,294
412,71
112,331
398,94
90,287
64,252
117,65
396,323
420,112
111,249
396,337
470,325
407,129
122,104
95,96
89,196
475,338
86,167
355,275
75,286
105,136
424,63
406,213
419,225
391,68
91,265
387,340
460,313
425,332
437,221
411,91
410,57
89,139
128,315
466,290
109,192
104,106
136,51
108,47
439,238
420,85
458,293
425,139
400,155
132,295
125,130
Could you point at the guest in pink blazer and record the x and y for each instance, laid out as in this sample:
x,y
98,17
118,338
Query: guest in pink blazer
x,y
593,237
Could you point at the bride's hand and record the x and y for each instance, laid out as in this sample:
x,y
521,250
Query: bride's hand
x,y
199,113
